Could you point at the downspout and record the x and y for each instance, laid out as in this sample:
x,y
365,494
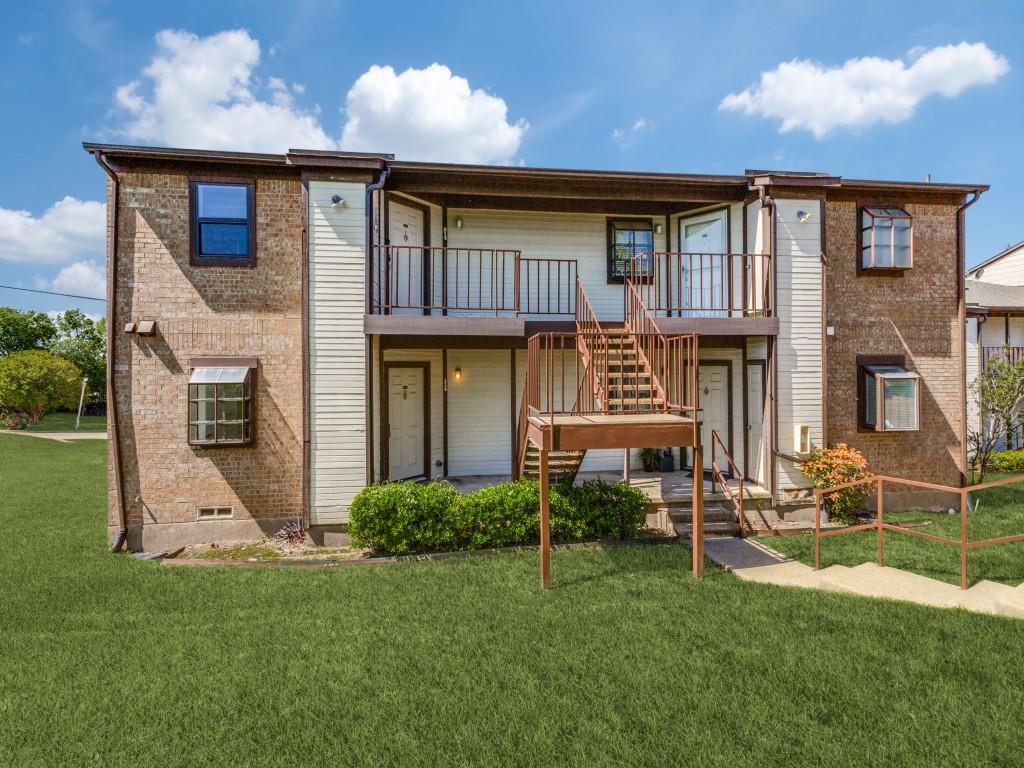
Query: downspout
x,y
115,435
769,204
961,265
368,307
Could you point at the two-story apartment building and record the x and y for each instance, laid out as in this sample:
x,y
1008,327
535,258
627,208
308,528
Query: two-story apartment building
x,y
286,329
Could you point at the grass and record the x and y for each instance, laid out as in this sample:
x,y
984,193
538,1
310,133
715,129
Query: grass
x,y
110,661
1000,512
65,422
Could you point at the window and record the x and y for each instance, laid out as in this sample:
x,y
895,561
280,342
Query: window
x,y
220,403
222,224
630,248
890,398
886,239
215,513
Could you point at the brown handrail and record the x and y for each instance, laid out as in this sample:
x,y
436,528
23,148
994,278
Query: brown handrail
x,y
651,344
716,472
681,284
880,526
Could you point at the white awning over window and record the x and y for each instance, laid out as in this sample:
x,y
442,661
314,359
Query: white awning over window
x,y
219,376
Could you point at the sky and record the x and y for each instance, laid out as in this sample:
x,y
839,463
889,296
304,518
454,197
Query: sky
x,y
875,90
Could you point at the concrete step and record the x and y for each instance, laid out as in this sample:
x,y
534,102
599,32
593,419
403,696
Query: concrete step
x,y
712,514
711,529
790,574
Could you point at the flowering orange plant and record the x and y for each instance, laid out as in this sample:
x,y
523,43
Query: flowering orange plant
x,y
839,464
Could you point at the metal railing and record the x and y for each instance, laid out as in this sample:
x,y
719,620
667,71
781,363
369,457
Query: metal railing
x,y
1012,355
736,497
408,279
880,526
704,284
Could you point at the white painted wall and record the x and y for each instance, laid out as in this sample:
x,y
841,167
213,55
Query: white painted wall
x,y
479,412
799,346
337,349
1008,270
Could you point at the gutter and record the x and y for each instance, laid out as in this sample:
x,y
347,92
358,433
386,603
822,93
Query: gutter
x,y
115,435
961,265
385,171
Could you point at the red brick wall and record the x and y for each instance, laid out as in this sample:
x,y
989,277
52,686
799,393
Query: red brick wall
x,y
206,311
916,316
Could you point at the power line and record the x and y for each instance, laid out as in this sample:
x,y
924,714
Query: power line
x,y
50,293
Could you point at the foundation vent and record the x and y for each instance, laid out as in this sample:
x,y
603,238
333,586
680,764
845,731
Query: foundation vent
x,y
215,513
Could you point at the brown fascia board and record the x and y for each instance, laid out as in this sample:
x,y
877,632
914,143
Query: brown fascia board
x,y
912,186
330,159
188,155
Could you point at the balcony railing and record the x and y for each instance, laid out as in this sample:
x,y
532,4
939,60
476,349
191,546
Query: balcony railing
x,y
427,280
704,284
1013,355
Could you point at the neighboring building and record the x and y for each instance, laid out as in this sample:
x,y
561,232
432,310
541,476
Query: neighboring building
x,y
995,319
289,328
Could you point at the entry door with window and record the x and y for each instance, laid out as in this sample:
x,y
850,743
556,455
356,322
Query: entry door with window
x,y
408,259
712,381
405,422
704,271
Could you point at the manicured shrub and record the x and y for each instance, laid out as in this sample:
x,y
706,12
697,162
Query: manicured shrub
x,y
402,518
399,518
839,464
1007,461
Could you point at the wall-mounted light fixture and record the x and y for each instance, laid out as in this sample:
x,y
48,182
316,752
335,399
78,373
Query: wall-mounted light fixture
x,y
803,216
337,201
658,229
458,223
458,374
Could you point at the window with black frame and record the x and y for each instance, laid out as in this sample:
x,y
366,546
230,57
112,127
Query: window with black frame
x,y
222,224
220,405
630,249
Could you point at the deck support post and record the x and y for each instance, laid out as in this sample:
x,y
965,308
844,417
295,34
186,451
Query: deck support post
x,y
697,532
545,522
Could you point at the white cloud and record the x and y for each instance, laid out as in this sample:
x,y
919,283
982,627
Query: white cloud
x,y
625,137
83,278
199,93
804,95
428,114
203,92
68,228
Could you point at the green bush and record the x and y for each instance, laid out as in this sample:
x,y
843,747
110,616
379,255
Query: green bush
x,y
1007,461
401,518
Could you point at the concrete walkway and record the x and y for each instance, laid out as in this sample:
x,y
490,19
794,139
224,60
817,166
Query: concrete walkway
x,y
753,561
60,437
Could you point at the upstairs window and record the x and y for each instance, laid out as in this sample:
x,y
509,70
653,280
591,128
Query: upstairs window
x,y
890,401
220,402
886,239
630,249
223,231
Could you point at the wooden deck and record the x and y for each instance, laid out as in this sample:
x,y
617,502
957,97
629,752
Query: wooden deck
x,y
573,432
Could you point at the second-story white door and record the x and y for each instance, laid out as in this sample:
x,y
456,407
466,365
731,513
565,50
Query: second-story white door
x,y
405,236
704,271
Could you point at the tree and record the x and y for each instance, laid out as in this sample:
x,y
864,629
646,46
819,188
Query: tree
x,y
999,390
82,341
24,330
35,381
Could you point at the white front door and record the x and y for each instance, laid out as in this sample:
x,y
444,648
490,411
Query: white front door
x,y
405,235
755,422
704,270
405,422
712,382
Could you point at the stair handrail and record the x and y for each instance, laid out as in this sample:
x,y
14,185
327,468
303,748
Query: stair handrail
x,y
651,345
592,343
716,472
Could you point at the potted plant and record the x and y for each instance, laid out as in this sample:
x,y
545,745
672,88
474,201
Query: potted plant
x,y
650,459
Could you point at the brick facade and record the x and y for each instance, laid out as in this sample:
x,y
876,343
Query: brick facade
x,y
206,312
914,315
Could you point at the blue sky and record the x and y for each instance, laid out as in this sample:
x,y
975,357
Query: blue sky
x,y
575,84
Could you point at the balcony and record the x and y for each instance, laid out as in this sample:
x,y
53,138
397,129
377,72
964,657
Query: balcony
x,y
1013,355
493,291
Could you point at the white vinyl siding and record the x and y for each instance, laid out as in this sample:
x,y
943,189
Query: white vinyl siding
x,y
993,332
799,345
479,412
579,236
1009,270
337,349
973,361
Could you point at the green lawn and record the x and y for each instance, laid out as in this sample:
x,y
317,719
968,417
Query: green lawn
x,y
1000,512
107,660
65,422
